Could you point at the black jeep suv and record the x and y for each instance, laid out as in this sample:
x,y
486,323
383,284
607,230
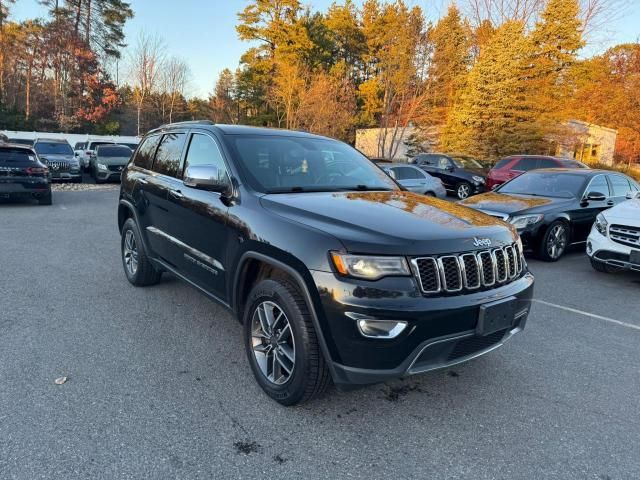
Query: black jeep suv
x,y
335,272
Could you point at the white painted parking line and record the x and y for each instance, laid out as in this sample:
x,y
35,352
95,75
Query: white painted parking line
x,y
587,314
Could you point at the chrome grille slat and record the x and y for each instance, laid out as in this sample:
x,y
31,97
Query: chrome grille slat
x,y
625,235
468,271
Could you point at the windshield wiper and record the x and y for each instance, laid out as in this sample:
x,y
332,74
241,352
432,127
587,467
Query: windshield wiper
x,y
364,188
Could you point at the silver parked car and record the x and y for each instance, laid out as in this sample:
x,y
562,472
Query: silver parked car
x,y
415,179
108,161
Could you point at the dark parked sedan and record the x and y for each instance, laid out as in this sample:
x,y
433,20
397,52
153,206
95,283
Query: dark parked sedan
x,y
460,174
554,208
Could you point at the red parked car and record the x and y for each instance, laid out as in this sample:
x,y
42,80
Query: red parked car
x,y
510,167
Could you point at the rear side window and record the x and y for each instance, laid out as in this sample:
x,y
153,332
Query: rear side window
x,y
169,153
407,173
526,164
502,163
144,157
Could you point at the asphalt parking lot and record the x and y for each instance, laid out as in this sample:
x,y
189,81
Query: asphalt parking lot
x,y
159,387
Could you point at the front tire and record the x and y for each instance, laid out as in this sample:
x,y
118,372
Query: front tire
x,y
282,345
554,242
137,266
463,190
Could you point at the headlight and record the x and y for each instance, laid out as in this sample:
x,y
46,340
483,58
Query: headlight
x,y
368,267
524,221
601,224
102,166
478,179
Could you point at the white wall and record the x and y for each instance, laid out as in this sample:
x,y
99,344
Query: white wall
x,y
72,138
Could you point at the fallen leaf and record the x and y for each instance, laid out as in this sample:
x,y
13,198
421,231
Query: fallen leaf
x,y
61,380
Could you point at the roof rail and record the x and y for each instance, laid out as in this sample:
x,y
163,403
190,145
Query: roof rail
x,y
188,122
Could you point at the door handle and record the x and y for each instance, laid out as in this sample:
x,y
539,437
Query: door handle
x,y
176,194
610,203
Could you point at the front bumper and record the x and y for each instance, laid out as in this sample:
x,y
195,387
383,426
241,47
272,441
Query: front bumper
x,y
108,175
441,331
66,176
603,249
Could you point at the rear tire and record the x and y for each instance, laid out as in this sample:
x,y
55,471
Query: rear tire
x,y
285,381
137,266
47,199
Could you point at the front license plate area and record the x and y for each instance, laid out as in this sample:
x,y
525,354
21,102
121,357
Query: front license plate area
x,y
496,316
635,257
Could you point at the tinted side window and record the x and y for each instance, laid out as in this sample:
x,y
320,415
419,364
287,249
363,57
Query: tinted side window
x,y
547,163
503,162
526,164
620,185
599,184
144,156
203,150
402,173
169,153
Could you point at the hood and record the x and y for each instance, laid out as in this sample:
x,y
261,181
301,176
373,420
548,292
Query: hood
x,y
627,212
509,204
393,223
482,172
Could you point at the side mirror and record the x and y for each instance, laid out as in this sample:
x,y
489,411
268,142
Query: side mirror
x,y
76,154
596,197
450,168
632,195
207,177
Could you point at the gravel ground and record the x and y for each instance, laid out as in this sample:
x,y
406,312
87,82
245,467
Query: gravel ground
x,y
159,387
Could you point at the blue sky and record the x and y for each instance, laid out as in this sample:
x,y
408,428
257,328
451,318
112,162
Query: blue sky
x,y
203,31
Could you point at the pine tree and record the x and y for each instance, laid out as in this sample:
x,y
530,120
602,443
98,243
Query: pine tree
x,y
556,39
449,64
496,115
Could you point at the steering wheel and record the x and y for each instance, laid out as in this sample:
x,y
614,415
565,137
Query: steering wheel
x,y
328,178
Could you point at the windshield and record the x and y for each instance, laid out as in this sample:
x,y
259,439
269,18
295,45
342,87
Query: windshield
x,y
53,148
16,155
94,145
546,184
114,152
276,164
466,162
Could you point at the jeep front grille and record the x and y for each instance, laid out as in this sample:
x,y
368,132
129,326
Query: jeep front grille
x,y
629,236
468,271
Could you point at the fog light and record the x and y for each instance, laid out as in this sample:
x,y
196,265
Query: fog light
x,y
386,329
589,248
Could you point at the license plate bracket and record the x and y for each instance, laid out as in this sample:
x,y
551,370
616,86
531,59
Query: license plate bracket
x,y
496,316
634,258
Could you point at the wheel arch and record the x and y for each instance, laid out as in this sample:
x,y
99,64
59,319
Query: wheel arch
x,y
252,262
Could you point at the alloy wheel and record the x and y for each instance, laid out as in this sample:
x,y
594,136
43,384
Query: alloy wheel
x,y
557,241
272,343
463,191
130,252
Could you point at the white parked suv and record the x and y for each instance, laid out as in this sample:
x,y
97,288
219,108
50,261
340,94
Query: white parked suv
x,y
614,242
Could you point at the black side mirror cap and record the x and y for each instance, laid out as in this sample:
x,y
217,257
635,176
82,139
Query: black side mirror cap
x,y
595,197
